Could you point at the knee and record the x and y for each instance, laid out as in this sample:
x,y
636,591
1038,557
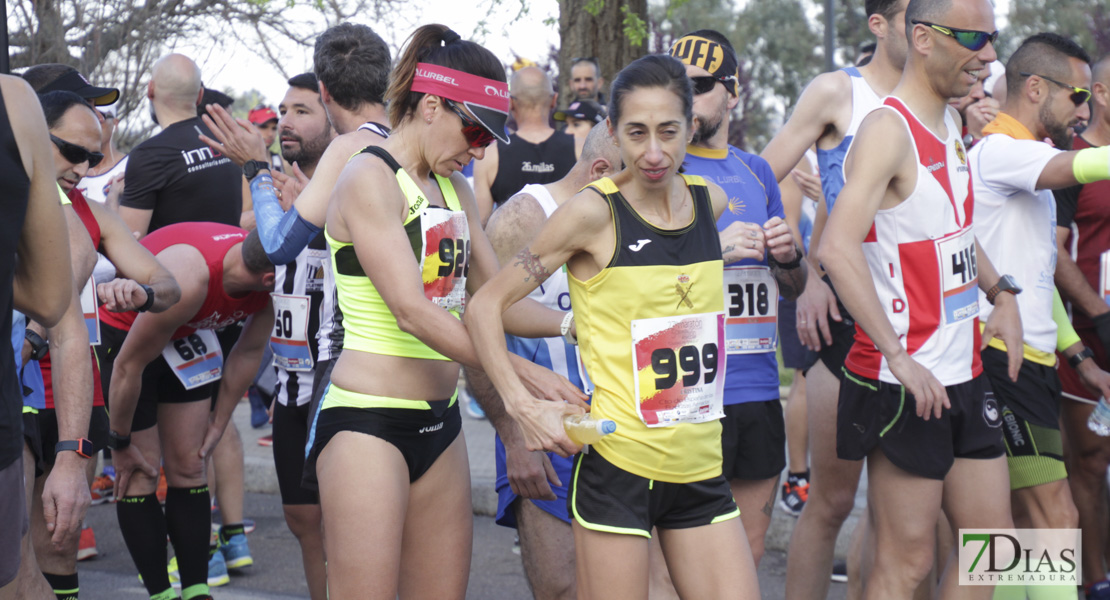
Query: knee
x,y
185,471
304,523
832,506
913,560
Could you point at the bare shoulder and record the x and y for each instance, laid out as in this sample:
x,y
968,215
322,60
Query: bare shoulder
x,y
488,164
521,211
826,94
717,197
188,266
24,116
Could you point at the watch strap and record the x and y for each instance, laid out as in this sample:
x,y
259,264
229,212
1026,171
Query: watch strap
x,y
564,328
39,346
251,168
82,446
117,441
1080,356
149,298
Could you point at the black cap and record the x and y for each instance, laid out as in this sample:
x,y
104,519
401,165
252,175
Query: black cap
x,y
73,81
585,110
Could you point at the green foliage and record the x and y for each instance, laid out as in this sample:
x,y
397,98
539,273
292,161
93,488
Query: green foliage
x,y
1085,21
635,28
594,7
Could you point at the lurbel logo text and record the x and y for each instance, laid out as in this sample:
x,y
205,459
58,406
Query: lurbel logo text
x,y
492,90
436,76
1020,557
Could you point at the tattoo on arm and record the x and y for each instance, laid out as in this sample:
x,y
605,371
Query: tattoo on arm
x,y
532,265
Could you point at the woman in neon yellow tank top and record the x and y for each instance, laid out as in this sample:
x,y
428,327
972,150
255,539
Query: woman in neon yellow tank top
x,y
407,243
646,281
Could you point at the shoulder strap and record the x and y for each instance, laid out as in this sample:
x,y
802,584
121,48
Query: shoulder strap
x,y
450,198
382,154
413,196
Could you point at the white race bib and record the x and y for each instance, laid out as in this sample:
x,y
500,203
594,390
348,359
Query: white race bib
x,y
445,258
91,310
959,276
289,340
752,307
679,368
195,359
1104,277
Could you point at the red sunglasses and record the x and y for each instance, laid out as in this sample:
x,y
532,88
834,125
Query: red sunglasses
x,y
476,135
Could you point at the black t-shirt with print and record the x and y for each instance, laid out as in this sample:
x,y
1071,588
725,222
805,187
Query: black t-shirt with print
x,y
181,179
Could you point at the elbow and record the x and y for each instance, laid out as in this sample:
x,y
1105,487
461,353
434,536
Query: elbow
x,y
168,294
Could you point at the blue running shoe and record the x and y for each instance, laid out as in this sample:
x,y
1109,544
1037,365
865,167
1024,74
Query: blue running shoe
x,y
217,571
1099,591
236,552
473,409
259,414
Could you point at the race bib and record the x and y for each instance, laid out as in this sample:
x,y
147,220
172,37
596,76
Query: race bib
x,y
445,260
959,276
195,359
587,383
289,340
679,369
752,307
1104,277
91,309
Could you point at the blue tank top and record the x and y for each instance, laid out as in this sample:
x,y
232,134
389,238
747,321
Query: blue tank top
x,y
30,377
753,197
831,162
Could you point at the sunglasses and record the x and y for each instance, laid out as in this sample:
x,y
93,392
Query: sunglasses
x,y
476,135
1078,95
76,154
705,84
971,39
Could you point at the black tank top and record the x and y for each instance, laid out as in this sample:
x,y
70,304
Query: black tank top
x,y
13,204
521,163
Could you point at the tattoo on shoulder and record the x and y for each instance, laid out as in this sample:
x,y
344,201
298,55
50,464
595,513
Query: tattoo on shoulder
x,y
532,265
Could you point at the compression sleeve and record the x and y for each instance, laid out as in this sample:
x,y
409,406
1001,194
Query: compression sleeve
x,y
1066,337
283,234
1091,164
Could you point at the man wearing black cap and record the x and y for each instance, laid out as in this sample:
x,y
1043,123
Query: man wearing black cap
x,y
580,117
50,77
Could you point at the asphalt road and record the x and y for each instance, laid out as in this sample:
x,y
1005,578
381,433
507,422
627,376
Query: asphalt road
x,y
277,573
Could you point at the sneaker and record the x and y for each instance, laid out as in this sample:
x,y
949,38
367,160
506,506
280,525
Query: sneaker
x,y
259,400
795,492
236,552
102,489
839,572
516,546
266,440
217,571
86,546
1099,590
161,491
473,409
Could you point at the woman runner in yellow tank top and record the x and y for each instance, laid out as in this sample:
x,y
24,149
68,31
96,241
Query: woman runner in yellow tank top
x,y
407,244
646,281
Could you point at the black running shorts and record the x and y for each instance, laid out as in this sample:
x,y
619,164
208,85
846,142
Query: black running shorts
x,y
753,440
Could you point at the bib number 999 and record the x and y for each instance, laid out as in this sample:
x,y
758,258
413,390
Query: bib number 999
x,y
693,361
453,254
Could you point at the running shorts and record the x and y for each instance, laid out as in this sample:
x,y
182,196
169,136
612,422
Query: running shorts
x,y
753,440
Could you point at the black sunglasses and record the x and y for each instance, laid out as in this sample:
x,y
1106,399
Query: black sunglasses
x,y
1078,95
705,84
476,135
76,154
971,39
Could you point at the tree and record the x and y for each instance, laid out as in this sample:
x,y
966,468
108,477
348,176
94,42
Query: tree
x,y
613,31
1085,21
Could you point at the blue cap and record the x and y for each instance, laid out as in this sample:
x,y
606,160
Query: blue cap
x,y
608,426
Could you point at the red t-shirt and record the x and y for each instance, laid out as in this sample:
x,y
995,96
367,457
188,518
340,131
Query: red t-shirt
x,y
1085,209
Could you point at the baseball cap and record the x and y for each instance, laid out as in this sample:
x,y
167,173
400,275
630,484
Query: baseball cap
x,y
73,81
262,114
585,110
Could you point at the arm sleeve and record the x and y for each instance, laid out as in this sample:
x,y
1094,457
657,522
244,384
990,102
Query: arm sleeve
x,y
283,234
1067,204
1065,333
144,178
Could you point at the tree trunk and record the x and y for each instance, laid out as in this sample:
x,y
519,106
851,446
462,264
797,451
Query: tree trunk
x,y
584,35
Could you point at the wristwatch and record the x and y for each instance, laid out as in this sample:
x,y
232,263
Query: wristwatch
x,y
252,167
149,298
790,265
117,441
82,446
564,328
1080,356
1005,283
39,346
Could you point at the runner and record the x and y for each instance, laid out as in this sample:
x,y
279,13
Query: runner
x,y
161,370
404,527
532,486
902,252
754,433
828,114
645,271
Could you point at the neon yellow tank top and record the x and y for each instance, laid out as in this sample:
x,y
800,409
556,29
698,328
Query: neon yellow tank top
x,y
440,239
651,333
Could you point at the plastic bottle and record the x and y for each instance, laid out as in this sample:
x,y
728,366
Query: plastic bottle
x,y
581,429
1099,421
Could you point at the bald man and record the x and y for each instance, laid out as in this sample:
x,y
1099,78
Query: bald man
x,y
539,154
173,177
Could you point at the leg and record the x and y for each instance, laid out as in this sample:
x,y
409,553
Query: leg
x,y
975,494
832,493
227,464
660,585
364,513
611,566
861,554
797,434
141,521
188,518
547,552
905,509
756,499
28,582
305,522
439,529
1046,506
1088,458
711,561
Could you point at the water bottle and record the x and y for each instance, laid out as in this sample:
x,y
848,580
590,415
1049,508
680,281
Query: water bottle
x,y
581,429
1099,422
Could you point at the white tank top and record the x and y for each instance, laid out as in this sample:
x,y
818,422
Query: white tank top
x,y
921,255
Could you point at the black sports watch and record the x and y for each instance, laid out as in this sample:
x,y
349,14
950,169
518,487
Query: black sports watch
x,y
117,441
39,346
82,446
1080,356
149,298
1005,283
252,167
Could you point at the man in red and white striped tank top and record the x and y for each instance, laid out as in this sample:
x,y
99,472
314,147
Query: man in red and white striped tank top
x,y
901,251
